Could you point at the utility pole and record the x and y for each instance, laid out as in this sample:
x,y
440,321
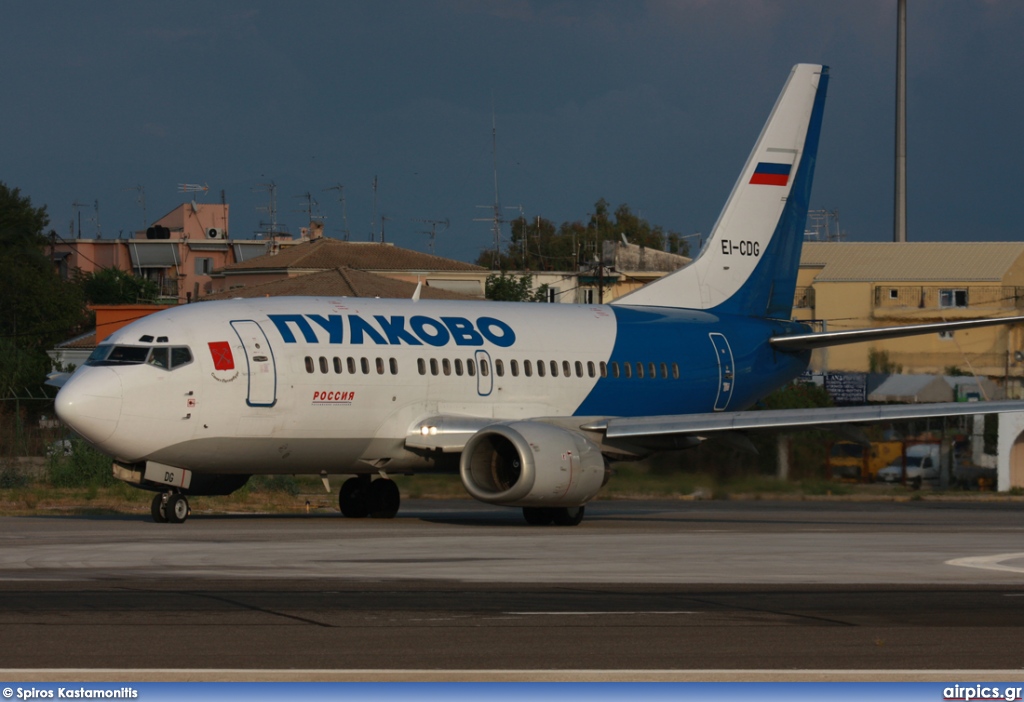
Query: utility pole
x,y
900,223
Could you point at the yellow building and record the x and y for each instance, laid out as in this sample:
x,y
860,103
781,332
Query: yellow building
x,y
846,285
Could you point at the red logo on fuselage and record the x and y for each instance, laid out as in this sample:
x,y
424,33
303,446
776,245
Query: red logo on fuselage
x,y
222,358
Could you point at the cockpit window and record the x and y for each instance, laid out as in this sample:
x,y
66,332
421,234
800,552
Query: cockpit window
x,y
98,354
158,357
166,357
127,355
180,355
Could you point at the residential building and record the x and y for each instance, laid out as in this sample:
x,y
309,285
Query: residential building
x,y
846,285
179,252
329,254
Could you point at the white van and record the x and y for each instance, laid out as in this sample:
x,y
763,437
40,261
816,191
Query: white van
x,y
922,465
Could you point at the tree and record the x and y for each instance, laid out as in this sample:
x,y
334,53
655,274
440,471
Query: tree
x,y
514,288
112,286
539,246
39,309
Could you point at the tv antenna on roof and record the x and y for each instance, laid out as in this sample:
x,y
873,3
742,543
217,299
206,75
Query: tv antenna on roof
x,y
433,229
344,216
141,200
192,188
495,218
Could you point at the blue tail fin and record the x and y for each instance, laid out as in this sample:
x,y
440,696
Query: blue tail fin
x,y
749,264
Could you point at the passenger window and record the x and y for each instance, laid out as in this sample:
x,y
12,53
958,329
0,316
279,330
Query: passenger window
x,y
394,366
566,370
604,369
351,365
514,366
180,356
675,371
554,369
158,358
590,369
527,368
380,366
471,367
323,364
446,366
664,371
579,369
651,372
615,369
337,365
483,368
499,367
364,362
421,366
540,369
433,366
639,370
309,364
458,366
627,370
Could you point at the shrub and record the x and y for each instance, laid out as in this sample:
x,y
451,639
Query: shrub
x,y
84,466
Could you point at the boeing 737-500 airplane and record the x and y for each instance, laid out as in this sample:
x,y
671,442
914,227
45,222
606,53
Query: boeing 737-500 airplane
x,y
527,402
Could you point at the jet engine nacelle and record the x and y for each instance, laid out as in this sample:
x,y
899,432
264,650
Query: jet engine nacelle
x,y
531,464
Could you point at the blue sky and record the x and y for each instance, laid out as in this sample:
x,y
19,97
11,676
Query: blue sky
x,y
655,104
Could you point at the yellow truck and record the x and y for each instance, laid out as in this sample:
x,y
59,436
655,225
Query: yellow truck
x,y
850,461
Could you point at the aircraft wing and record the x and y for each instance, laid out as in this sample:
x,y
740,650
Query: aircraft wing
x,y
449,434
801,342
709,423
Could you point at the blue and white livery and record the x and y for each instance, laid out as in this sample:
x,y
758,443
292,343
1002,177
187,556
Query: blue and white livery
x,y
527,402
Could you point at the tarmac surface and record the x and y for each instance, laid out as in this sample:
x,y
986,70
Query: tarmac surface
x,y
457,590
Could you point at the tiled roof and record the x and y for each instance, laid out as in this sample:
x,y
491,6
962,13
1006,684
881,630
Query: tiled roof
x,y
911,261
82,341
324,254
339,282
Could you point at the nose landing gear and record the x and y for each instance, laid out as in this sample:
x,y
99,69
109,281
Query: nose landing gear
x,y
169,507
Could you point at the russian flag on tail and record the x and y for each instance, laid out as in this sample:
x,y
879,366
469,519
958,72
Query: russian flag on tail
x,y
771,174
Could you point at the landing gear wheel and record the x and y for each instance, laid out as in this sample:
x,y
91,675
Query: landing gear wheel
x,y
157,509
177,509
537,516
567,516
384,499
352,498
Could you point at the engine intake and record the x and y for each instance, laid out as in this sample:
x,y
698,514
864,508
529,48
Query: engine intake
x,y
531,464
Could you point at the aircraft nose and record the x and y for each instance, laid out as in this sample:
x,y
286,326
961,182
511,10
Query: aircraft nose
x,y
90,403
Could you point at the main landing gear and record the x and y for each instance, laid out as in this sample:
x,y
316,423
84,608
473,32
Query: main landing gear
x,y
362,497
559,516
170,507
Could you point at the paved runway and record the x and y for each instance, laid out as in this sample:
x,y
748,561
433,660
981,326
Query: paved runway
x,y
456,586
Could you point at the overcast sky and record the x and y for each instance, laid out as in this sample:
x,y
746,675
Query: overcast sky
x,y
655,104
